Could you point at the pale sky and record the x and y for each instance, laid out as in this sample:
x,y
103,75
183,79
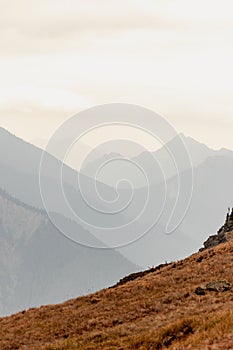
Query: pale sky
x,y
173,56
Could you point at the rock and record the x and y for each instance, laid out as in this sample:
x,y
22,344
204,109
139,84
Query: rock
x,y
222,234
214,240
215,286
200,290
199,259
218,286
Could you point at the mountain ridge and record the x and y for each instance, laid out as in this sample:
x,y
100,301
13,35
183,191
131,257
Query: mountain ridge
x,y
198,151
39,265
158,309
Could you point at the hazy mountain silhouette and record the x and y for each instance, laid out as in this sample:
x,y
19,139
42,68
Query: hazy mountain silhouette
x,y
20,164
38,265
212,195
151,161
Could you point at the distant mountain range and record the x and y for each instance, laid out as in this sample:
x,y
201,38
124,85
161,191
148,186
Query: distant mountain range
x,y
38,265
150,162
20,164
212,194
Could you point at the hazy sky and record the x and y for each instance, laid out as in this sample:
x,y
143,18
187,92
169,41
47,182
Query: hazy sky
x,y
176,57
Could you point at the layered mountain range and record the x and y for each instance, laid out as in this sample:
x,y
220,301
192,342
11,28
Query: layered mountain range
x,y
40,265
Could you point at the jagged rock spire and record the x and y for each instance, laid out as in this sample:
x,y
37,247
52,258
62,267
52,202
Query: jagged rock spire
x,y
228,226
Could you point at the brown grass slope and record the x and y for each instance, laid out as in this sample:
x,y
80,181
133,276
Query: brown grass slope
x,y
155,310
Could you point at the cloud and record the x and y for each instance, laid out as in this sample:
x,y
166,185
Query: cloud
x,y
24,96
59,56
30,26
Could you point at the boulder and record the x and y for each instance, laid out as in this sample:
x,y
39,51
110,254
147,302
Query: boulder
x,y
215,286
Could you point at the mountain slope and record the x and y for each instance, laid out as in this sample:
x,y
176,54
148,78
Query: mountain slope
x,y
38,265
212,195
85,202
157,309
20,167
149,161
198,152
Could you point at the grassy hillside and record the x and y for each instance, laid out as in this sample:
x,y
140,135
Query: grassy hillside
x,y
157,309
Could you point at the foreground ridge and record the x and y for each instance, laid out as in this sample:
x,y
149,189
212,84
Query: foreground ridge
x,y
159,309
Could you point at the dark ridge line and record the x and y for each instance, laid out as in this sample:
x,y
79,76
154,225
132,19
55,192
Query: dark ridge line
x,y
136,275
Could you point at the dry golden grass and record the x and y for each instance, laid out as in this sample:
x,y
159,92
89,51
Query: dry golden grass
x,y
156,311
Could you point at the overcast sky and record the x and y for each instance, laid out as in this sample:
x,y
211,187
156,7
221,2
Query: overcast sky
x,y
173,56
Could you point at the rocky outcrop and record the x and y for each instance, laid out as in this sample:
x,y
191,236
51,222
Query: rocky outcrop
x,y
214,240
215,286
228,226
222,234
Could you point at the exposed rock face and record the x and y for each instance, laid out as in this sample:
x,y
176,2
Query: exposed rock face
x,y
215,286
214,240
222,234
228,226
